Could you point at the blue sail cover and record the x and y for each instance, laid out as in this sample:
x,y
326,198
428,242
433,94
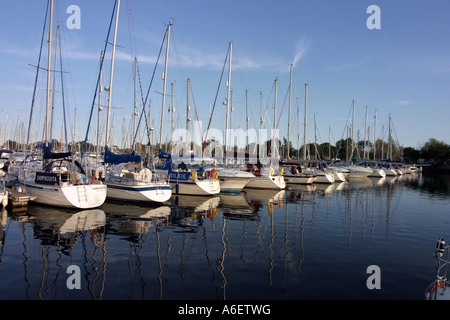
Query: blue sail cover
x,y
48,154
113,158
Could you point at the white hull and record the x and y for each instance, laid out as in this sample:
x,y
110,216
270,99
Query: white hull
x,y
338,176
152,192
233,184
323,177
299,179
378,173
196,187
71,196
267,182
358,172
233,180
390,172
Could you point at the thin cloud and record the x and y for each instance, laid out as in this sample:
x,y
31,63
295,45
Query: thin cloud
x,y
300,51
403,103
349,66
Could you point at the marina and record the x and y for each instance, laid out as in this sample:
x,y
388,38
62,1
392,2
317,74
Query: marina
x,y
305,242
151,168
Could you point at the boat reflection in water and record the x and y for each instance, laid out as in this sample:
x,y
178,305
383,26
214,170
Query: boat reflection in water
x,y
250,245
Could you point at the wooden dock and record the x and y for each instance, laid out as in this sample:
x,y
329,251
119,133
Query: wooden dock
x,y
18,199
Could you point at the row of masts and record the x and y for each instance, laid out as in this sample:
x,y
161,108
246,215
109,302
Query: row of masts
x,y
164,77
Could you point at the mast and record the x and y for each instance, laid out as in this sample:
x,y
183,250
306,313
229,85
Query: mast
x,y
247,149
365,131
289,113
54,82
47,129
274,142
99,105
172,109
353,131
390,138
304,125
187,113
261,120
375,136
135,106
228,99
164,86
112,73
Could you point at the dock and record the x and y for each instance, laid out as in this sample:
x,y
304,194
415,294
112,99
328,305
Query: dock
x,y
18,199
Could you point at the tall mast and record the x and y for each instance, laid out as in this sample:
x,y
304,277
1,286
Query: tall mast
x,y
375,136
353,130
304,125
365,131
173,107
99,105
390,138
289,113
228,99
274,142
246,123
112,73
261,120
47,129
187,113
135,106
164,86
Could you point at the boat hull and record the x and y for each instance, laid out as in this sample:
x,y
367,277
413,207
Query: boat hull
x,y
233,184
196,187
139,193
69,196
267,182
299,179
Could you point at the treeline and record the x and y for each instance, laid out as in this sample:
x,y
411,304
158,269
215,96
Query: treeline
x,y
433,151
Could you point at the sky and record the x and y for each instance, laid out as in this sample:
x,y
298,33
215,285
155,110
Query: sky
x,y
401,69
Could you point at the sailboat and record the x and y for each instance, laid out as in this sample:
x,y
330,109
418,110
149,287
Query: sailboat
x,y
189,179
126,177
266,177
231,177
57,179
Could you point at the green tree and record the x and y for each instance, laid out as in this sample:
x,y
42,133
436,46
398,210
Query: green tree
x,y
437,150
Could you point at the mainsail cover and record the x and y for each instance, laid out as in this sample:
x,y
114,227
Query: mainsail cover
x,y
113,158
48,154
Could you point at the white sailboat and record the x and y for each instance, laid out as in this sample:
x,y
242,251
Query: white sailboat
x,y
233,179
189,180
293,174
58,180
266,177
126,177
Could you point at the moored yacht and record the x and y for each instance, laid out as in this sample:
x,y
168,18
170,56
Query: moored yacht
x,y
265,177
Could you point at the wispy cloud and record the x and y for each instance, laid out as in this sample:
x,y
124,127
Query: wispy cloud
x,y
403,103
351,65
300,50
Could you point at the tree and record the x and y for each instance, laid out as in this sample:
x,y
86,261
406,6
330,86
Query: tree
x,y
437,150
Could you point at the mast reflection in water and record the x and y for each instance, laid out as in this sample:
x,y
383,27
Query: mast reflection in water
x,y
305,242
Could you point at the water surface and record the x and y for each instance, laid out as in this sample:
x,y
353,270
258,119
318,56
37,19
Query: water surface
x,y
305,242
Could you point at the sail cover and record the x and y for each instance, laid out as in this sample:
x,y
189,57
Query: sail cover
x,y
48,154
113,158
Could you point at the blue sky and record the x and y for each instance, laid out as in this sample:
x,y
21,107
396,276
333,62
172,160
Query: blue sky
x,y
402,69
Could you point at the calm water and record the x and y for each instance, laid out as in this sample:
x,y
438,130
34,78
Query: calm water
x,y
301,243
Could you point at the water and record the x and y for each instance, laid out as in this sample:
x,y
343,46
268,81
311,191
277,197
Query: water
x,y
301,243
